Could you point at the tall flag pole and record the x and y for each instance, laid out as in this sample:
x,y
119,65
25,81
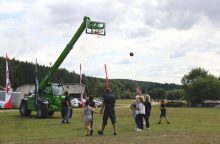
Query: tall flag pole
x,y
7,87
36,92
81,93
106,76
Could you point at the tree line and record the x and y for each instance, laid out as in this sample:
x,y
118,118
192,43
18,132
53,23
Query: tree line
x,y
197,85
24,73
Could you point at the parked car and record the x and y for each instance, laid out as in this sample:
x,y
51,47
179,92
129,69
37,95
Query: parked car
x,y
2,104
75,103
80,101
98,103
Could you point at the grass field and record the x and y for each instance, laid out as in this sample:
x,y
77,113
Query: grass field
x,y
188,126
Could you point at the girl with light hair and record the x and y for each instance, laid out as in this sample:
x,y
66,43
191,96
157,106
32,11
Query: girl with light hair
x,y
140,114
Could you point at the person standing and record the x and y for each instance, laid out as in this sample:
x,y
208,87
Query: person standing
x,y
67,107
91,104
140,114
87,114
163,112
134,111
147,105
109,111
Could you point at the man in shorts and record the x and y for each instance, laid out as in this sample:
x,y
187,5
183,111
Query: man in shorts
x,y
109,111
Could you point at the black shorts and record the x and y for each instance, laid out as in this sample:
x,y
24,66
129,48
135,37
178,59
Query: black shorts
x,y
110,115
163,113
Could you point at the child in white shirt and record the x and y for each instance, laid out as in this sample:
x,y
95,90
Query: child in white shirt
x,y
87,114
140,114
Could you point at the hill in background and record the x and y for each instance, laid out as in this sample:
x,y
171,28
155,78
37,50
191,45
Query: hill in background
x,y
24,73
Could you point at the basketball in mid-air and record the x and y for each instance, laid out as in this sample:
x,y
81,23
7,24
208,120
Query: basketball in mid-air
x,y
131,54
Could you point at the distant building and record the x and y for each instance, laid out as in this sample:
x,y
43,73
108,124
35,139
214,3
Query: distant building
x,y
15,98
25,90
74,90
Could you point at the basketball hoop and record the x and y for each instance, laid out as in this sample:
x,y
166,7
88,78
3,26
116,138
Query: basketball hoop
x,y
98,33
95,28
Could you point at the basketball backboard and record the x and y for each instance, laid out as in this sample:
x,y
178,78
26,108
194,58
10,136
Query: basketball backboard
x,y
94,27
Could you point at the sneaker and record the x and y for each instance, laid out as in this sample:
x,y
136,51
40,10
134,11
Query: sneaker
x,y
91,131
114,133
139,130
100,132
63,122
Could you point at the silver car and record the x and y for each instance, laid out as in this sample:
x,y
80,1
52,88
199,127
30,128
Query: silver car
x,y
98,103
75,103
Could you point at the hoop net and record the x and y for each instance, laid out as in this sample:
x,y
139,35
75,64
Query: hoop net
x,y
98,33
95,28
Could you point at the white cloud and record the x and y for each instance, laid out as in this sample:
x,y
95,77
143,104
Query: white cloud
x,y
168,37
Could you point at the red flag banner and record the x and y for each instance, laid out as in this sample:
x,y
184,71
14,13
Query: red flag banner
x,y
7,87
106,76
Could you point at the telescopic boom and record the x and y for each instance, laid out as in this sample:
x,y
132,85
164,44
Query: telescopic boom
x,y
63,55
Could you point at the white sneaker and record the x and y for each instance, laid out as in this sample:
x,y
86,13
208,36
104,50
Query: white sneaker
x,y
139,130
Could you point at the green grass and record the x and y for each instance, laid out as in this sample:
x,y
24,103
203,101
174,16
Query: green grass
x,y
188,125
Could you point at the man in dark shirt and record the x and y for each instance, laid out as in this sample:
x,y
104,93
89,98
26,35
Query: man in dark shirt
x,y
67,107
109,111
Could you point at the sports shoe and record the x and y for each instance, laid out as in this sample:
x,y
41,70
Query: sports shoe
x,y
100,132
139,130
90,132
63,122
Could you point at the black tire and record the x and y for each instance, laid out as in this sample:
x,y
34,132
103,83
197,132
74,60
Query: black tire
x,y
23,109
50,113
42,111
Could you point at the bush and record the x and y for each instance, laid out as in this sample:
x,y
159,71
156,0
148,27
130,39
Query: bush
x,y
203,89
175,104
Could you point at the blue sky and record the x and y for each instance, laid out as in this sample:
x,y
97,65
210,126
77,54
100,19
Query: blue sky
x,y
168,37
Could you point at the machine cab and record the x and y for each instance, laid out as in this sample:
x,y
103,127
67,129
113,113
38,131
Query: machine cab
x,y
54,89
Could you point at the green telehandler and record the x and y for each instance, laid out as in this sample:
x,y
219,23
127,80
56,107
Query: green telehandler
x,y
49,97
